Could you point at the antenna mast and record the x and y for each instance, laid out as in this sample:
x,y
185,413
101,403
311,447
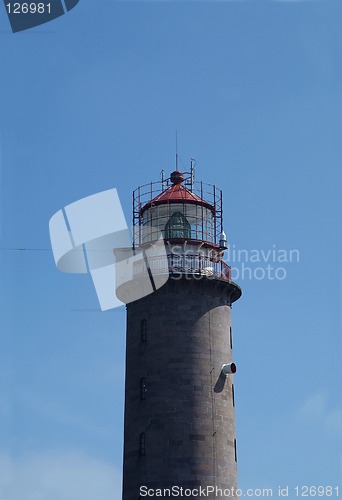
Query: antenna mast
x,y
176,149
192,173
162,175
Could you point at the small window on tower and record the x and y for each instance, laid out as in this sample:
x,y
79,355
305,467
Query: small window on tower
x,y
235,450
144,330
233,395
231,337
142,444
143,389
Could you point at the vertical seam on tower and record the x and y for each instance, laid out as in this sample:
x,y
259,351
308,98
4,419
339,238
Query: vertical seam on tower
x,y
145,366
212,406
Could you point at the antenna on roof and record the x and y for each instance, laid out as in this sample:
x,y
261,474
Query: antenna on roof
x,y
192,173
162,176
176,149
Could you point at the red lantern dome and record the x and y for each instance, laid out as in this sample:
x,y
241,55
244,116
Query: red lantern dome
x,y
176,193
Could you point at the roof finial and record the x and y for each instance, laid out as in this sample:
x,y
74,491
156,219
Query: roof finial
x,y
176,177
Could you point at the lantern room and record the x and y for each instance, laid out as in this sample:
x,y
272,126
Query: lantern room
x,y
179,209
188,216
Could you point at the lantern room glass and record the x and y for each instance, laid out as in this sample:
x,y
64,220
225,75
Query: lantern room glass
x,y
199,219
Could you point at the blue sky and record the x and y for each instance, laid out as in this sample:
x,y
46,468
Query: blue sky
x,y
91,101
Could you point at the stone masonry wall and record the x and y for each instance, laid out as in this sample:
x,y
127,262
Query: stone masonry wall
x,y
179,412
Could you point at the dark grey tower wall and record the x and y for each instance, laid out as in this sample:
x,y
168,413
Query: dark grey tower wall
x,y
179,409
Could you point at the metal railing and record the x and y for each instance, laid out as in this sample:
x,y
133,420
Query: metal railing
x,y
184,264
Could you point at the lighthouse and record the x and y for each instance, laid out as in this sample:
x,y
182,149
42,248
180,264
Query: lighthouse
x,y
179,423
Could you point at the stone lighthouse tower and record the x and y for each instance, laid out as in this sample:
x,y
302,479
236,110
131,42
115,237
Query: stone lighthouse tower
x,y
179,400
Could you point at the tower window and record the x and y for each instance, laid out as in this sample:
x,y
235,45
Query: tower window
x,y
231,337
233,395
178,226
235,450
142,444
143,389
143,330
